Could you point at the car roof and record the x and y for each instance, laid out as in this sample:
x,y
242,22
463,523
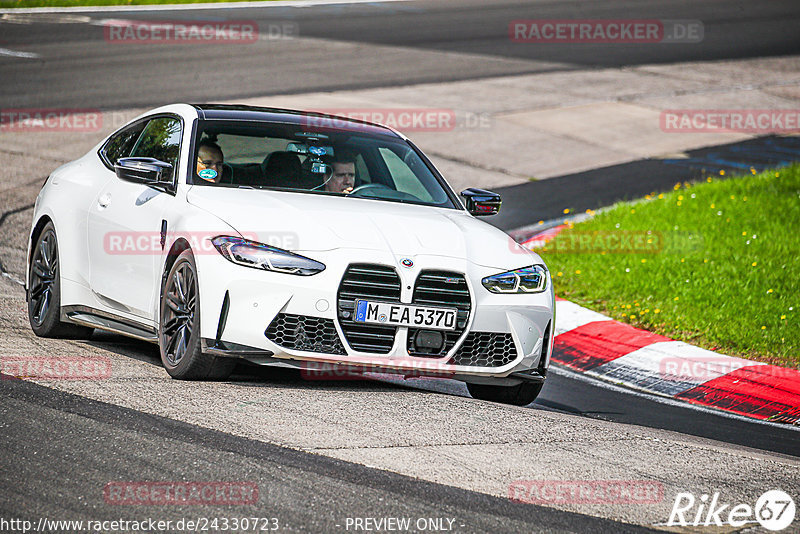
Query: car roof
x,y
238,112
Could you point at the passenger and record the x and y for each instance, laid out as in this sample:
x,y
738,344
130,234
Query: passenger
x,y
343,175
209,156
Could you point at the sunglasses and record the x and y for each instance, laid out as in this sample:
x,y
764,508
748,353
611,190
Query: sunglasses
x,y
211,163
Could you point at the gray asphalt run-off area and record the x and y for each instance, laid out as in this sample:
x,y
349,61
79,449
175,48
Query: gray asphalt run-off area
x,y
513,127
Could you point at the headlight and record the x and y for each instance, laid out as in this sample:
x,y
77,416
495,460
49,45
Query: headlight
x,y
531,279
260,256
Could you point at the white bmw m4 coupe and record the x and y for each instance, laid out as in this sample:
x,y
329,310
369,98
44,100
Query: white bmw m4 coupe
x,y
287,238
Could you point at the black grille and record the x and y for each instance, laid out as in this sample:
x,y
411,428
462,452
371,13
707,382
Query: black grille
x,y
301,332
485,349
446,289
373,282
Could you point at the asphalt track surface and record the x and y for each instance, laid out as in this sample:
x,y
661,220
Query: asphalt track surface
x,y
101,442
357,46
303,491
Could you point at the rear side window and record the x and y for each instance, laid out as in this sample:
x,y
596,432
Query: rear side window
x,y
161,140
120,144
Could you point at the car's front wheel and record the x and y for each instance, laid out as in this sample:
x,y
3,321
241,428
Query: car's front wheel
x,y
520,395
179,327
44,295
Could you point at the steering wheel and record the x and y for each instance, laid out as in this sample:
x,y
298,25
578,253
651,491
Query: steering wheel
x,y
388,192
367,187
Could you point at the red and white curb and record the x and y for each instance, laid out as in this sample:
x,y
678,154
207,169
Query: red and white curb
x,y
540,239
598,346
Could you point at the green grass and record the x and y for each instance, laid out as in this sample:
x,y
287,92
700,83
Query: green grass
x,y
4,4
724,274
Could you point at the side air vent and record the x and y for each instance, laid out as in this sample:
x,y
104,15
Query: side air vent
x,y
545,346
446,289
367,282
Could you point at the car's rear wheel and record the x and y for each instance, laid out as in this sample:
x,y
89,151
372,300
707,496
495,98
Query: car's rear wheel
x,y
179,327
44,296
520,395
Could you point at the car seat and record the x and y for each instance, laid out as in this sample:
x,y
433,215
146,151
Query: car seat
x,y
281,169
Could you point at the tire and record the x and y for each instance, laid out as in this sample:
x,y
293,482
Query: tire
x,y
519,395
44,295
179,327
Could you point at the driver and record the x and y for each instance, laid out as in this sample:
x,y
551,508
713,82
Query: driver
x,y
343,175
209,156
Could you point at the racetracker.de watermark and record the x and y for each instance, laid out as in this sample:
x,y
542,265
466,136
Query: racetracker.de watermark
x,y
613,242
124,31
51,120
179,493
368,369
403,119
137,243
586,491
56,367
703,369
605,31
757,121
572,241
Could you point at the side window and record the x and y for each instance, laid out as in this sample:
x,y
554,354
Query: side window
x,y
161,140
404,178
120,144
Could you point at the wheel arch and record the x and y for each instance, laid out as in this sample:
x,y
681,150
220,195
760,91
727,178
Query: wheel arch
x,y
180,245
34,237
175,250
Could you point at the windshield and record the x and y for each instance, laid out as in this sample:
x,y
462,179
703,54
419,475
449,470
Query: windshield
x,y
298,158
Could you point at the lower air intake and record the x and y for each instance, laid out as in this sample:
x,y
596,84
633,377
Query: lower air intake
x,y
485,349
301,332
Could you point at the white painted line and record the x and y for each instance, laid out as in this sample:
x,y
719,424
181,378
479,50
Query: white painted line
x,y
570,316
28,18
15,53
189,7
13,278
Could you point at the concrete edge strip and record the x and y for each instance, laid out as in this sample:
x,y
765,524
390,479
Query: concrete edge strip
x,y
600,347
194,6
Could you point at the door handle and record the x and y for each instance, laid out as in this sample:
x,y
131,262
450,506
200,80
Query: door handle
x,y
104,200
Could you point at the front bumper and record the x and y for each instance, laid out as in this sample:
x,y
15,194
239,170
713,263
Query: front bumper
x,y
259,316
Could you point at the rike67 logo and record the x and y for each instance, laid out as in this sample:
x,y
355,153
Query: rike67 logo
x,y
774,510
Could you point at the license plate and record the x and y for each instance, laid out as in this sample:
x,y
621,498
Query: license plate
x,y
405,315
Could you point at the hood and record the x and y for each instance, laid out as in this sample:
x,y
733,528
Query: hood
x,y
304,222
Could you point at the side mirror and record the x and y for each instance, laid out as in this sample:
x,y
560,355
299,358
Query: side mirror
x,y
147,171
480,202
